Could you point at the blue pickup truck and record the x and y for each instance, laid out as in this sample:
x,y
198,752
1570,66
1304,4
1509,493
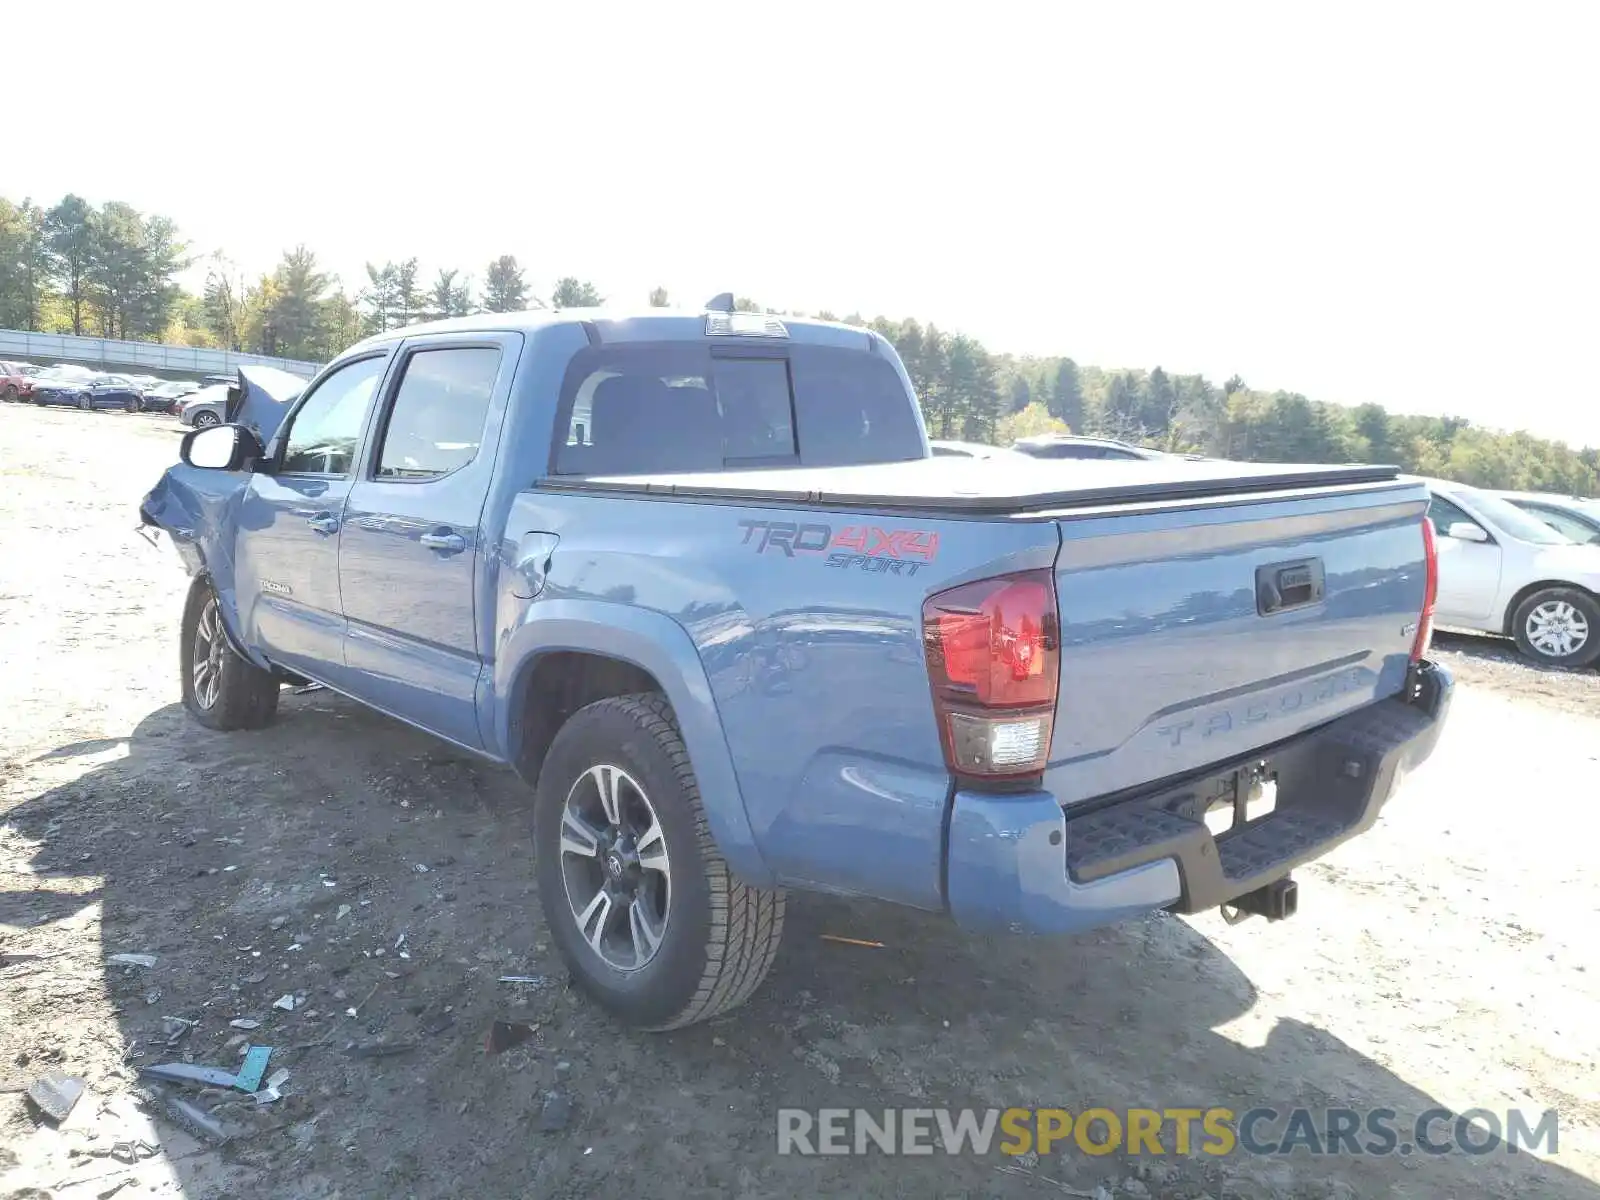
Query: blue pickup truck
x,y
699,580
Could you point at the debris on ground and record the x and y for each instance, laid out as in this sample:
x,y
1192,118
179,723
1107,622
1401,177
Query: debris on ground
x,y
850,941
176,1029
133,960
114,1188
244,1023
195,1119
55,1094
246,1079
286,1002
556,1112
271,1091
503,1035
531,980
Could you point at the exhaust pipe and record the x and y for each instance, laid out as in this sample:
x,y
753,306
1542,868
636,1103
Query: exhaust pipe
x,y
1276,901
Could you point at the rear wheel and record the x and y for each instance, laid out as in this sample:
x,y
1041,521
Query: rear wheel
x,y
1559,626
205,420
85,403
640,903
10,393
221,689
132,405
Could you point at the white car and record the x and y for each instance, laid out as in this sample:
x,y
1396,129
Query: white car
x,y
1504,571
1577,518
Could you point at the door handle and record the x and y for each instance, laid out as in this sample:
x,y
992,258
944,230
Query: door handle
x,y
454,543
324,523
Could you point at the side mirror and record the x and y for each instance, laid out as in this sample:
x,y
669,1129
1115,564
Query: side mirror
x,y
220,448
1466,531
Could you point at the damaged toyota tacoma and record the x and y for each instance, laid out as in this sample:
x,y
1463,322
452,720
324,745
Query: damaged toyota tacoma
x,y
697,578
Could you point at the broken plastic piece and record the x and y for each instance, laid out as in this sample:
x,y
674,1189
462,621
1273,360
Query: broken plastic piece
x,y
133,960
285,1002
248,1078
245,1023
271,1092
55,1094
253,1068
195,1118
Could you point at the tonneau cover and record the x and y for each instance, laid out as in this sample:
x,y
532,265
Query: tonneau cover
x,y
985,486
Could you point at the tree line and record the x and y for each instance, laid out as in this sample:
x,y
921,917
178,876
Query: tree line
x,y
113,271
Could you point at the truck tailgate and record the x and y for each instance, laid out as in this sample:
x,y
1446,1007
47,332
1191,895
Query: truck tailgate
x,y
1191,635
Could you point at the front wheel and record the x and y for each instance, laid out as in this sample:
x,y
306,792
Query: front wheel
x,y
132,406
1558,626
221,689
11,393
639,902
205,420
85,403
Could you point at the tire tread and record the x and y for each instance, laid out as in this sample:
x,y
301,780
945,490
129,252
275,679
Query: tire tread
x,y
746,922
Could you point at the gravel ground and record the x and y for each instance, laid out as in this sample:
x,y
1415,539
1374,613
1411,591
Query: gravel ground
x,y
1447,959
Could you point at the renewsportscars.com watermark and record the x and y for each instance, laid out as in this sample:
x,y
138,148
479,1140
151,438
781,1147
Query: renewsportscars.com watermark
x,y
1137,1131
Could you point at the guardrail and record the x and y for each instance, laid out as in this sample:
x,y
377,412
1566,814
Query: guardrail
x,y
107,352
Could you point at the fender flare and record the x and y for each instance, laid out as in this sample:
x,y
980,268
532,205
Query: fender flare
x,y
655,643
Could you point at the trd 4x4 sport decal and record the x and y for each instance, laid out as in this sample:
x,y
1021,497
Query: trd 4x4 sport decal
x,y
850,547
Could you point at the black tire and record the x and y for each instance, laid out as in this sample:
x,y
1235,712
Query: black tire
x,y
246,697
11,393
1586,608
133,406
720,935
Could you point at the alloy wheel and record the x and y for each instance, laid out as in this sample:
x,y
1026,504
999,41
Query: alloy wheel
x,y
615,868
206,661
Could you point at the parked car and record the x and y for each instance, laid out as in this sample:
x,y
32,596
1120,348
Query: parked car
x,y
1573,516
97,391
16,383
1061,445
203,408
1504,571
699,580
254,397
947,449
165,395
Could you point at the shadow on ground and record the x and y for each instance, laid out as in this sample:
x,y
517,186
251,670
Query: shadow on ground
x,y
349,860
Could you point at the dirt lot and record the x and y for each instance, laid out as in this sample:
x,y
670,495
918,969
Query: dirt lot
x,y
1447,959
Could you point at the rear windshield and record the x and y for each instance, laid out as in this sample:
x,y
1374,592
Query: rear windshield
x,y
641,409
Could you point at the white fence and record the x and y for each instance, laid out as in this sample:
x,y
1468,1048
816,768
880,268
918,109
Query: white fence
x,y
190,360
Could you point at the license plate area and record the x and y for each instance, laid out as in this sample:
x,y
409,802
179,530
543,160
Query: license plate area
x,y
1240,798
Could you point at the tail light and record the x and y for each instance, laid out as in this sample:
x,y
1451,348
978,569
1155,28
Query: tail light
x,y
994,660
1430,593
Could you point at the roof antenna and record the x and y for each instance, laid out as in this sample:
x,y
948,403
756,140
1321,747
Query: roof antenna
x,y
721,302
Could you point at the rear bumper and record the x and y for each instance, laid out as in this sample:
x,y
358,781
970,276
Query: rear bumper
x,y
1019,862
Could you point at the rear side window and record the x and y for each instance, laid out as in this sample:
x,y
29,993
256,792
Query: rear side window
x,y
646,409
436,423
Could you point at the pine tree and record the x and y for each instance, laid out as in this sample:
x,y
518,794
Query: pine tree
x,y
504,288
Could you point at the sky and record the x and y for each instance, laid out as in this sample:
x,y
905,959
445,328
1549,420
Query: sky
x,y
1360,202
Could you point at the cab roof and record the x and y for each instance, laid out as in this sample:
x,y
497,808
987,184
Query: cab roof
x,y
644,325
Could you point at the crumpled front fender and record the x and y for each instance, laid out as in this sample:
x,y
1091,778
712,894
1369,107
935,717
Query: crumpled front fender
x,y
199,510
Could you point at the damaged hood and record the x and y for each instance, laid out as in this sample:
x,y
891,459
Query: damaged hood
x,y
261,397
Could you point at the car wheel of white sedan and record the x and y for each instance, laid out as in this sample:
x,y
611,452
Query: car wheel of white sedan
x,y
1559,626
